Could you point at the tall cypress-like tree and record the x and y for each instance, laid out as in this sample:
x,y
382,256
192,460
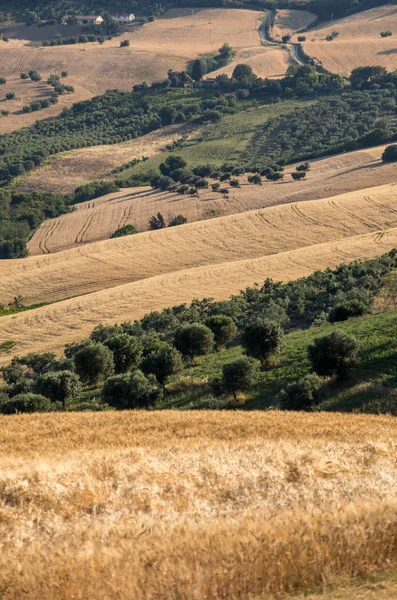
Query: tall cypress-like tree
x,y
198,70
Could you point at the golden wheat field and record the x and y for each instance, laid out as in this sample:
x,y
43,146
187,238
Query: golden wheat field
x,y
287,22
194,505
359,42
98,219
50,328
248,235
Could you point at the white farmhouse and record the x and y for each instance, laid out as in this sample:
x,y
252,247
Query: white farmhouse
x,y
124,17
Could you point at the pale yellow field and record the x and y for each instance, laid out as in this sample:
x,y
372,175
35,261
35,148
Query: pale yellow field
x,y
288,22
98,219
359,42
49,328
167,43
67,171
194,506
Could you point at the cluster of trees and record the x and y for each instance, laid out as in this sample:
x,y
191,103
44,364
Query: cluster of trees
x,y
76,39
20,213
201,66
356,119
132,363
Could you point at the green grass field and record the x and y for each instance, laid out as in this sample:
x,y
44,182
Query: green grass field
x,y
221,142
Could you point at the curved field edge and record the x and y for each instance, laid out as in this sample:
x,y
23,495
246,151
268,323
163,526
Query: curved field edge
x,y
307,497
249,235
98,219
50,328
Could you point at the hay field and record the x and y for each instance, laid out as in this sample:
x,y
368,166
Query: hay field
x,y
359,42
169,42
98,219
194,505
288,22
67,171
248,235
50,327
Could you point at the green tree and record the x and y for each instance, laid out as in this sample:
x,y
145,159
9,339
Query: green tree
x,y
172,163
126,230
157,222
223,328
94,362
198,70
333,354
177,220
59,386
26,403
261,339
240,375
163,362
243,73
127,351
390,154
194,340
132,390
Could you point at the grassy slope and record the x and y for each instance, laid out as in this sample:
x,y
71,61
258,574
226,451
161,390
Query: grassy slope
x,y
376,368
224,141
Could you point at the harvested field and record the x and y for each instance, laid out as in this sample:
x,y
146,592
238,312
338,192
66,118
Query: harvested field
x,y
168,42
289,22
176,496
67,171
49,328
359,42
248,235
266,61
98,219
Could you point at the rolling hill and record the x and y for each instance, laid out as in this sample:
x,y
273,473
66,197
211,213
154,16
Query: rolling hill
x,y
98,219
358,43
213,259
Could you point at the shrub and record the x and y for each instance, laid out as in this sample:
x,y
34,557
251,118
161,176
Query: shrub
x,y
10,96
27,403
132,390
333,354
302,394
386,33
256,179
94,362
390,154
223,328
347,309
298,175
240,375
301,38
177,220
127,351
3,80
24,76
124,43
126,230
194,340
262,338
163,362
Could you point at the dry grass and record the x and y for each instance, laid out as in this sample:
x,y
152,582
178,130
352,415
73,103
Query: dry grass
x,y
168,42
51,327
193,505
289,21
98,220
67,171
359,42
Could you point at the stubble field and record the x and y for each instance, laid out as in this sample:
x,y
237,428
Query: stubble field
x,y
194,505
98,219
359,42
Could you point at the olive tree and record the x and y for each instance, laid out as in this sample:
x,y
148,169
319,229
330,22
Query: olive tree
x,y
333,354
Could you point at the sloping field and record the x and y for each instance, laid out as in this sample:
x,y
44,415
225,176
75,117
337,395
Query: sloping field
x,y
266,61
251,234
167,43
359,42
98,219
244,250
176,496
69,170
288,22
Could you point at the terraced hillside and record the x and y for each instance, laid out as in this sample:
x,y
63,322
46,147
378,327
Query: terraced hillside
x,y
358,43
125,278
99,219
